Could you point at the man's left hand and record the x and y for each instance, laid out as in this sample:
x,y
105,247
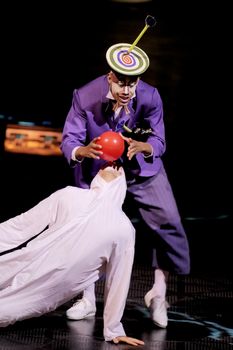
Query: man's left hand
x,y
136,147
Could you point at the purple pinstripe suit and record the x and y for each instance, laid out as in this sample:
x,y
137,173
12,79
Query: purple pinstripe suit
x,y
89,116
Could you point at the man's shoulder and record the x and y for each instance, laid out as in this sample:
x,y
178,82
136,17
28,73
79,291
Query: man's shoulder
x,y
95,83
147,93
93,91
144,85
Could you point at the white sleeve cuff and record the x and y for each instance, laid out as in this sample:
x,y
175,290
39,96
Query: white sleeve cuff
x,y
149,155
73,155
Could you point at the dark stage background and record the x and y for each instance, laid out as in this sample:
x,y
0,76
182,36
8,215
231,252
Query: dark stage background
x,y
46,52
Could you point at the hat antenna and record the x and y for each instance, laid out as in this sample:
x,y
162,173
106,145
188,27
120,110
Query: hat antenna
x,y
150,21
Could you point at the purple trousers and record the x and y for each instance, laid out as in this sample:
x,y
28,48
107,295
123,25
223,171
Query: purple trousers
x,y
156,204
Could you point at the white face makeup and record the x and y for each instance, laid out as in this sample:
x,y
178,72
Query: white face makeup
x,y
122,89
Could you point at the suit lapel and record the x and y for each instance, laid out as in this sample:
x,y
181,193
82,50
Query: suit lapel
x,y
122,119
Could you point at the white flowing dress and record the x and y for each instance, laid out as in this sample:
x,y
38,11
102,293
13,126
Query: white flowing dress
x,y
85,234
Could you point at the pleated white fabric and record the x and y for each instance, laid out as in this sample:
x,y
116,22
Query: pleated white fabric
x,y
87,234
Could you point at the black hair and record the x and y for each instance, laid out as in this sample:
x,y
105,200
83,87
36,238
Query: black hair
x,y
121,76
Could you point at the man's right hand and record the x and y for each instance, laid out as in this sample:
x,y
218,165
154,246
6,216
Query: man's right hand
x,y
92,150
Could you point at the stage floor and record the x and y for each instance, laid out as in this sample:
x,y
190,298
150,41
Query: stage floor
x,y
201,304
200,317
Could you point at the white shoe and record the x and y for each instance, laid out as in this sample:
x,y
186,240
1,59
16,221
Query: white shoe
x,y
148,297
81,309
158,309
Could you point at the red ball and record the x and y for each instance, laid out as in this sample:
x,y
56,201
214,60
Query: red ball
x,y
112,145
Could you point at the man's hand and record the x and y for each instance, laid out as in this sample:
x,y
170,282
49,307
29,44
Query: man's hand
x,y
92,150
128,340
136,147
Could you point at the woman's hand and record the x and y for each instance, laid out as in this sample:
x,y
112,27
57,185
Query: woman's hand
x,y
128,340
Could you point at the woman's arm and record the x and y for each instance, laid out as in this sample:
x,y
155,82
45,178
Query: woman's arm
x,y
118,274
21,228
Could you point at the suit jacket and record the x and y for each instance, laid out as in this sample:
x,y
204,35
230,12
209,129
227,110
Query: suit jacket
x,y
91,114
